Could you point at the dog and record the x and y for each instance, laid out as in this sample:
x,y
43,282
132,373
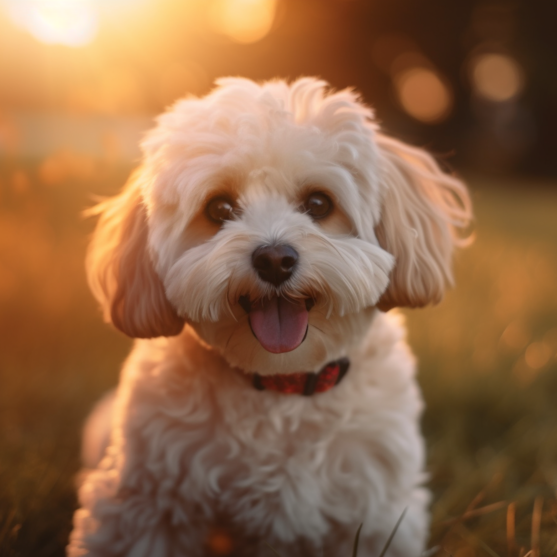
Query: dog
x,y
269,399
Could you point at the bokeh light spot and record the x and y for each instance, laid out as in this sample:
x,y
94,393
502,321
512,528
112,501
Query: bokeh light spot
x,y
537,355
423,94
244,21
68,22
496,77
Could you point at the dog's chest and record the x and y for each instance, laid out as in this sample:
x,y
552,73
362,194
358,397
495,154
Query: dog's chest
x,y
274,461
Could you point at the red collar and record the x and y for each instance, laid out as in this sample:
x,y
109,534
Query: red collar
x,y
303,383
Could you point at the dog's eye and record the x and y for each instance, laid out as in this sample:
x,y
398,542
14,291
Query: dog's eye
x,y
220,209
318,205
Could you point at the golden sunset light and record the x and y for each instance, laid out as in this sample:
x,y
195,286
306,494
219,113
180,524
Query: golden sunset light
x,y
72,23
68,22
244,21
259,199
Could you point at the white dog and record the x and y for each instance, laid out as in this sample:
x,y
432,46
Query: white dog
x,y
256,248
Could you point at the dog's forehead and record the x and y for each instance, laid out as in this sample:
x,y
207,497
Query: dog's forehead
x,y
287,145
282,159
214,146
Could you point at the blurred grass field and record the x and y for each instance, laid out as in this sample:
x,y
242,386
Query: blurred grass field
x,y
487,359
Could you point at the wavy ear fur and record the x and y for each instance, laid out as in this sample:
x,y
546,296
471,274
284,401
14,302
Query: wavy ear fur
x,y
120,270
422,211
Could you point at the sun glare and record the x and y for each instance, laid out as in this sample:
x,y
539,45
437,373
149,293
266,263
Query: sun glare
x,y
244,21
68,22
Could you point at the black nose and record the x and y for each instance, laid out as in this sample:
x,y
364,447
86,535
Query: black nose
x,y
274,264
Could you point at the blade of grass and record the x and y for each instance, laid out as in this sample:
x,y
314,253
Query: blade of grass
x,y
8,524
473,513
391,537
536,524
511,529
465,534
273,549
472,505
357,541
487,549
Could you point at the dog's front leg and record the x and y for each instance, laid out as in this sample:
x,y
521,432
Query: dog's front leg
x,y
114,523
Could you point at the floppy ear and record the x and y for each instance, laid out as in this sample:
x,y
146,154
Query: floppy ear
x,y
423,209
120,270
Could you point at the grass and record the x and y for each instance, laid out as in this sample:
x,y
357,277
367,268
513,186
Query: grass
x,y
487,354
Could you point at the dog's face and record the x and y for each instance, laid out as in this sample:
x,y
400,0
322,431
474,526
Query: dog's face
x,y
274,219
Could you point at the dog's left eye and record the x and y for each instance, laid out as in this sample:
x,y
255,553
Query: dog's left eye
x,y
318,205
220,209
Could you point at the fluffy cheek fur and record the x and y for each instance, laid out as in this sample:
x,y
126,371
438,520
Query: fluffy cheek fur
x,y
343,275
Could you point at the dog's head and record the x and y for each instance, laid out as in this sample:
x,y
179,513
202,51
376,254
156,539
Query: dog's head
x,y
274,219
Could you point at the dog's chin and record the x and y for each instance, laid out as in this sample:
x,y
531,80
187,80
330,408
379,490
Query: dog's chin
x,y
309,340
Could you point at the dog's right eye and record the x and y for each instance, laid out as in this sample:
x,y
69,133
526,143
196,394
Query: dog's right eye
x,y
220,209
318,205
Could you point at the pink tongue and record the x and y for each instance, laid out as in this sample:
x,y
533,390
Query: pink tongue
x,y
279,324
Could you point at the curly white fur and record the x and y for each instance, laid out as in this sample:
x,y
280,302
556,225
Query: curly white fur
x,y
193,446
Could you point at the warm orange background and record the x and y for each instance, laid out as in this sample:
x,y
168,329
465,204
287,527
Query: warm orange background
x,y
471,80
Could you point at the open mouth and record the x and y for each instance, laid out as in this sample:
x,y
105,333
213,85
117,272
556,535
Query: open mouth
x,y
278,323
